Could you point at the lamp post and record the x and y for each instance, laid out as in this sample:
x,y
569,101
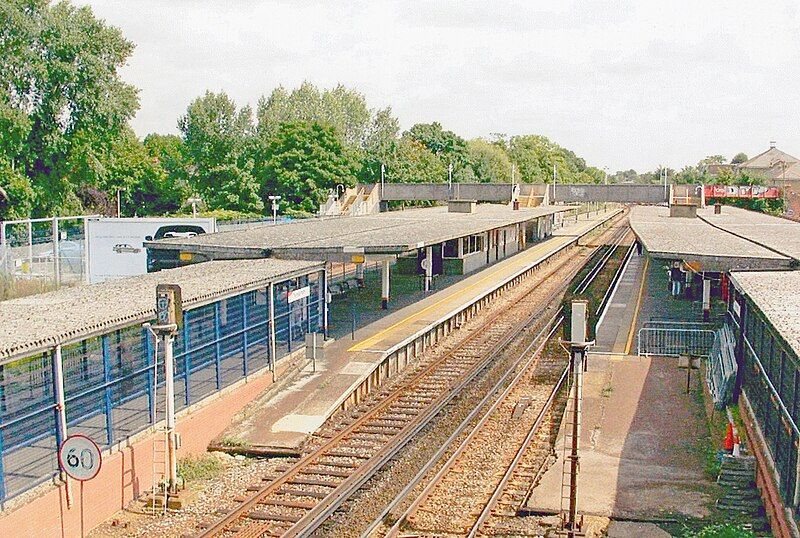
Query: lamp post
x,y
275,201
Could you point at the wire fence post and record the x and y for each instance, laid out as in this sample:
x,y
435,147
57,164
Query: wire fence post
x,y
186,359
56,254
217,345
245,367
107,391
272,337
151,364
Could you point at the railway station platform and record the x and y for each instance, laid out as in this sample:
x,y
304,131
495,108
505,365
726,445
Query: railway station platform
x,y
639,444
639,452
281,420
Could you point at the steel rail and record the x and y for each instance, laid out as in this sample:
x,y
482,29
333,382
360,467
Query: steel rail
x,y
219,526
550,329
309,523
588,279
456,433
377,522
498,491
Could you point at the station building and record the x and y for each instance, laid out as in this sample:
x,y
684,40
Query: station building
x,y
748,261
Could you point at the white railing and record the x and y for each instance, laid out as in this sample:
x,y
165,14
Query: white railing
x,y
675,341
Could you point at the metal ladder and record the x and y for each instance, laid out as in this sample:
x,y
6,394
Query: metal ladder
x,y
572,418
159,469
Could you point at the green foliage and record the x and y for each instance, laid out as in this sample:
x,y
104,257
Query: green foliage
x,y
59,68
726,530
217,138
303,162
203,467
414,163
739,158
489,161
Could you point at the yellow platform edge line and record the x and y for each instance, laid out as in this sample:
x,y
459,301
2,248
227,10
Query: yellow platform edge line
x,y
638,305
367,343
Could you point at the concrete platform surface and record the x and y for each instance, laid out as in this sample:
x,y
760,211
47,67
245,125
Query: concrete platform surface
x,y
633,529
638,449
284,419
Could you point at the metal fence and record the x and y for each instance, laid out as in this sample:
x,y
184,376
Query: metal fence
x,y
771,381
51,249
675,338
721,371
108,380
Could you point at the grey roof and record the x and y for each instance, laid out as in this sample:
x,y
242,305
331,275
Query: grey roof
x,y
774,294
390,232
664,236
31,324
776,233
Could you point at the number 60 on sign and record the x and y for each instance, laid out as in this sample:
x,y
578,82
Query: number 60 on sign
x,y
80,457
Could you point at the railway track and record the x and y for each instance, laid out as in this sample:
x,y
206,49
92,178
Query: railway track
x,y
513,440
306,493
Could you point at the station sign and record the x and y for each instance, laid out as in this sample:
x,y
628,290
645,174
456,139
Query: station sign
x,y
300,293
80,457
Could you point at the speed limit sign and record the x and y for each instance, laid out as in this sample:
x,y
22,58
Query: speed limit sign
x,y
80,457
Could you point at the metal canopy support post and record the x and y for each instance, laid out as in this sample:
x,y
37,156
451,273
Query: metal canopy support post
x,y
428,265
385,268
217,346
272,344
706,298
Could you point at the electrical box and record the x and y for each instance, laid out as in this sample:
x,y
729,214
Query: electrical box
x,y
579,322
169,310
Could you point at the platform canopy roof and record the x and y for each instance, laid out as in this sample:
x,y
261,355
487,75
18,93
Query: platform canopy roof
x,y
735,239
773,294
392,232
32,324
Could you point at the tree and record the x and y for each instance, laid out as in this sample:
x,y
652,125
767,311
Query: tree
x,y
739,158
535,156
446,145
304,161
489,162
344,109
218,139
380,145
59,68
415,163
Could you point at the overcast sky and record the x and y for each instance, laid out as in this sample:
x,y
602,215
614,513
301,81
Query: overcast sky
x,y
623,84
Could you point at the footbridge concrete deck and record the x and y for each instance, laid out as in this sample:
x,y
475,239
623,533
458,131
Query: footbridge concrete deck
x,y
280,421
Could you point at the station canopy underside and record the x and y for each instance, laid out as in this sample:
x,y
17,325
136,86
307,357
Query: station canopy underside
x,y
736,239
382,234
30,324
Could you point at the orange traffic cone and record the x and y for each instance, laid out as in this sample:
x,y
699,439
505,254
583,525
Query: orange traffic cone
x,y
728,444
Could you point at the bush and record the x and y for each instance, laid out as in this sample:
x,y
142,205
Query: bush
x,y
726,530
199,467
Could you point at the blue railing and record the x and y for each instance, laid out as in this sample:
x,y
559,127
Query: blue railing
x,y
108,380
